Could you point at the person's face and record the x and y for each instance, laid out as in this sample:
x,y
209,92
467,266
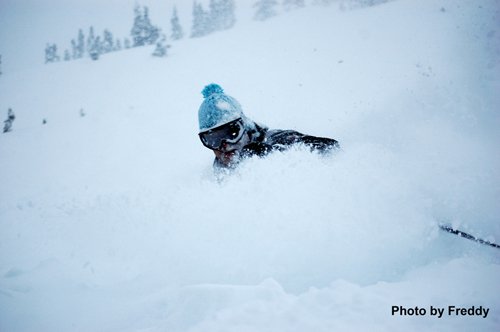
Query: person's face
x,y
227,158
225,140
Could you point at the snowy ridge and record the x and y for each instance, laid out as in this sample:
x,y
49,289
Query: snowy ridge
x,y
114,221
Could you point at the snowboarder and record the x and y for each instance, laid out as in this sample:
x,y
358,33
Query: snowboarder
x,y
232,136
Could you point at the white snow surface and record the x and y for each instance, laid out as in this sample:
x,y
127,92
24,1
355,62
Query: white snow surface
x,y
115,221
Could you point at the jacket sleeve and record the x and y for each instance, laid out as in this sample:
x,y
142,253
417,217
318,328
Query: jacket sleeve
x,y
320,143
282,139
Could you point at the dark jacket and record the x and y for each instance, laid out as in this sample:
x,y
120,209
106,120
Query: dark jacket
x,y
264,141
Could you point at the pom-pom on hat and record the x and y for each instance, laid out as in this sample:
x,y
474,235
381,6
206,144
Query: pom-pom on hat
x,y
217,108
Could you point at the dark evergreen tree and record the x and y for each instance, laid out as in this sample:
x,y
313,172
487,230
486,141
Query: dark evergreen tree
x,y
137,27
215,13
107,43
8,123
67,56
143,32
265,9
293,4
95,48
51,53
177,32
90,40
201,21
80,45
93,45
152,32
222,14
161,47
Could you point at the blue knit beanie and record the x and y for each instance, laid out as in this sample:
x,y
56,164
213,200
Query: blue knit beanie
x,y
217,108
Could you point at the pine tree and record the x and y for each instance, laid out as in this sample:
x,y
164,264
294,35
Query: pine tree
x,y
201,21
143,32
136,28
222,14
10,119
67,57
107,43
229,17
51,53
161,47
265,9
93,45
90,40
293,4
215,11
177,32
153,33
80,45
95,49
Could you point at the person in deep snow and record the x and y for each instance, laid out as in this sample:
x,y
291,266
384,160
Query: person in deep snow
x,y
232,136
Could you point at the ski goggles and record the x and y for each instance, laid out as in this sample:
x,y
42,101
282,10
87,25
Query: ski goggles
x,y
230,132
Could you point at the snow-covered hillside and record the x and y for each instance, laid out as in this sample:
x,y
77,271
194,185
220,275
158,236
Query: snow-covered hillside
x,y
115,222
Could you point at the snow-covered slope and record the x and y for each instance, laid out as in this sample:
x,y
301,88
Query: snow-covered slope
x,y
114,221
